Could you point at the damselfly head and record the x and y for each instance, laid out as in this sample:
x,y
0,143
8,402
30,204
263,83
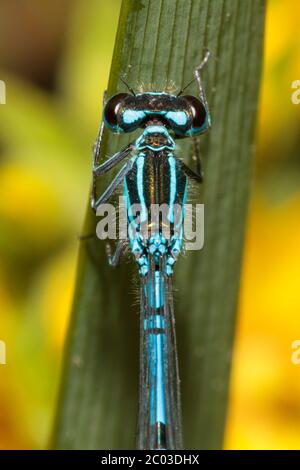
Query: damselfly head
x,y
184,115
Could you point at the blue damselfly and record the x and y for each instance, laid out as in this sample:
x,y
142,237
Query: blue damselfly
x,y
153,175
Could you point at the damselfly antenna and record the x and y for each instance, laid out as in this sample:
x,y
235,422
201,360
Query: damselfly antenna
x,y
197,72
185,87
127,86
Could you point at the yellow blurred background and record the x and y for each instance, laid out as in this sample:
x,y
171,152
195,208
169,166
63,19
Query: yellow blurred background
x,y
55,59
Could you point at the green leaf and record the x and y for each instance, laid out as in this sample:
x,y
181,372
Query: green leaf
x,y
159,41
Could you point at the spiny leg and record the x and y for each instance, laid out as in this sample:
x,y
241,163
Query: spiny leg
x,y
97,151
198,174
113,185
114,258
202,93
112,161
104,168
195,176
97,145
99,170
84,237
197,156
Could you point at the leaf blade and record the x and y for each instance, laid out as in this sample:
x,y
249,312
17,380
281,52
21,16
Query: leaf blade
x,y
98,404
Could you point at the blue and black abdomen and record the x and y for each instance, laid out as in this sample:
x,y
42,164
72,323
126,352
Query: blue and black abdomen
x,y
157,180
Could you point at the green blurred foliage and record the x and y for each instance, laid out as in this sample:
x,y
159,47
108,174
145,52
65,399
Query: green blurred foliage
x,y
46,139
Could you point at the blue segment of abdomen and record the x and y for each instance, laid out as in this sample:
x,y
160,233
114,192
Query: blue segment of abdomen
x,y
154,326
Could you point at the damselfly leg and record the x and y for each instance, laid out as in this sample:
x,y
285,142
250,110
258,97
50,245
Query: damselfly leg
x,y
111,188
99,170
197,157
195,140
115,257
202,94
195,176
96,153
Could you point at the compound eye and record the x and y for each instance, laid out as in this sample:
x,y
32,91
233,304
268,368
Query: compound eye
x,y
113,109
198,113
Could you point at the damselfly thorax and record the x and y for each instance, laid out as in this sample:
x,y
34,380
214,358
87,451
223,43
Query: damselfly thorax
x,y
155,192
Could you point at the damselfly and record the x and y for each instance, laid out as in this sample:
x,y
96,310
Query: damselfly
x,y
154,175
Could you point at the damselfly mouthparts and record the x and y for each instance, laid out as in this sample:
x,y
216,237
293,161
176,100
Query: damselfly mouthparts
x,y
154,175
